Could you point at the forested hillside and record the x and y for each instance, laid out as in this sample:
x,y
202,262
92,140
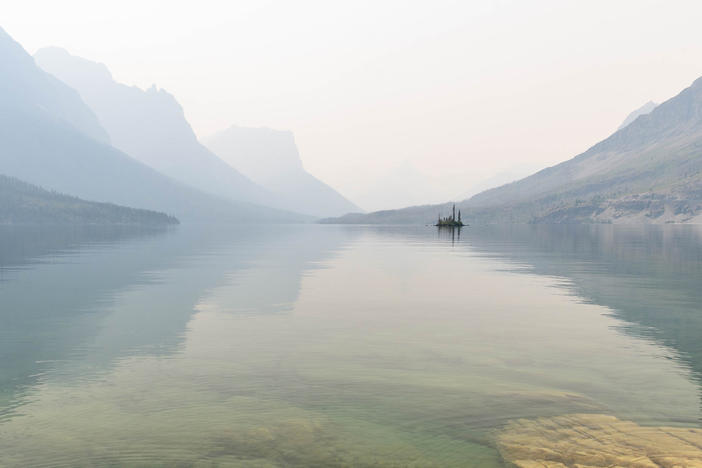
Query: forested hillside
x,y
22,203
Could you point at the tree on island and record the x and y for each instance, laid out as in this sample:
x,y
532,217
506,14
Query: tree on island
x,y
450,221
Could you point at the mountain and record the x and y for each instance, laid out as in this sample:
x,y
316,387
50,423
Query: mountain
x,y
643,110
50,138
501,178
41,91
402,185
271,159
150,126
22,203
648,172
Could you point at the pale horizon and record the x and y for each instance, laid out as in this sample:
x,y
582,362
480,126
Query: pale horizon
x,y
351,234
459,91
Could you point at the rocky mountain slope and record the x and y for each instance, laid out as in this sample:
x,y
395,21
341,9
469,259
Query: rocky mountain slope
x,y
650,171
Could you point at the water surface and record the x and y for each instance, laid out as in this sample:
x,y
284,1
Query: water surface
x,y
336,345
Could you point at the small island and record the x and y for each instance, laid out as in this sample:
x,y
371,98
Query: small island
x,y
450,221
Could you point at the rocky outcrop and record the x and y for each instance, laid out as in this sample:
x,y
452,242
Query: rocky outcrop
x,y
597,440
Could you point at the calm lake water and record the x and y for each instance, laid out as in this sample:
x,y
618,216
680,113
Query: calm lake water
x,y
268,346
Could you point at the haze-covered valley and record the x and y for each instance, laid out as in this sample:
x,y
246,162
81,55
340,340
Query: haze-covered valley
x,y
350,234
648,171
69,127
76,130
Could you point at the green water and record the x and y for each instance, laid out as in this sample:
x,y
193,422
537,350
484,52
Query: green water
x,y
336,346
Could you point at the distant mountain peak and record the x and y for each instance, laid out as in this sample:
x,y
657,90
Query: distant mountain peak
x,y
261,153
150,125
57,57
649,171
643,110
271,158
52,139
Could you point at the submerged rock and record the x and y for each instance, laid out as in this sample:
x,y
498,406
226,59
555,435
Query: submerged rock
x,y
597,440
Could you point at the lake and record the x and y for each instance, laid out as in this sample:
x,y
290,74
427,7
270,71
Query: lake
x,y
309,345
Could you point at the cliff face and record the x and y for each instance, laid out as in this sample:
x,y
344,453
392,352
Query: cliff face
x,y
150,126
50,138
271,159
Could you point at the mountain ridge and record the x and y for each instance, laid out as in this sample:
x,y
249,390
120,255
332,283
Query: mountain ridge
x,y
49,139
43,91
150,125
23,203
649,171
643,110
271,159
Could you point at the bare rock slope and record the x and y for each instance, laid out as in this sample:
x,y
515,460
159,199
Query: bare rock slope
x,y
649,171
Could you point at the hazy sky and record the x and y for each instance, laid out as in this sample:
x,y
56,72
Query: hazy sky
x,y
467,88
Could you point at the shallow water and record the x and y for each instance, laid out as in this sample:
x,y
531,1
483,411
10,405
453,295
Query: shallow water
x,y
336,345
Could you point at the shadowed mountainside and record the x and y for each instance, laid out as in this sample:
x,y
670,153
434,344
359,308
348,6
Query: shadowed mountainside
x,y
50,138
150,125
22,203
41,92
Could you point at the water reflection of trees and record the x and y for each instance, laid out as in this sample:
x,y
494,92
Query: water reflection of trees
x,y
449,233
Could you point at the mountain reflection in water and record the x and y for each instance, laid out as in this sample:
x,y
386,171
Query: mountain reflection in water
x,y
337,345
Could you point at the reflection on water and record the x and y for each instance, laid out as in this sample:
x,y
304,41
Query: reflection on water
x,y
336,346
55,282
75,299
449,233
648,277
